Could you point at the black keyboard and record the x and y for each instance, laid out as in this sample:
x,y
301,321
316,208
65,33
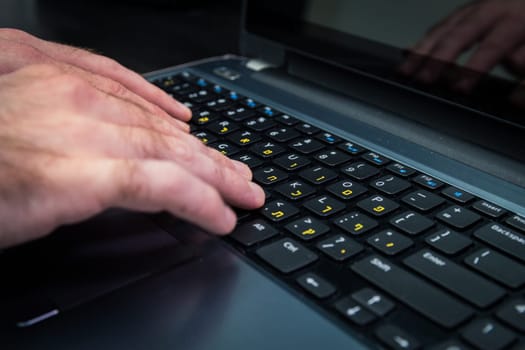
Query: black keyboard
x,y
398,255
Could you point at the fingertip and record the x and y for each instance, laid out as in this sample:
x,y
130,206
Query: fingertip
x,y
183,112
229,220
258,195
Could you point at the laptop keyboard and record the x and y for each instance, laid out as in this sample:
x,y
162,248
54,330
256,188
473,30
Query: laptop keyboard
x,y
397,255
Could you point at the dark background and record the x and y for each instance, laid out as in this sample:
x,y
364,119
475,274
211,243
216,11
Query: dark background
x,y
143,35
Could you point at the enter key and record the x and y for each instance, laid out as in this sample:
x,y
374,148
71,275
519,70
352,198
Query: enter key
x,y
457,279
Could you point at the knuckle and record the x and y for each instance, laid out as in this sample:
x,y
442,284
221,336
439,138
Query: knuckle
x,y
116,89
15,34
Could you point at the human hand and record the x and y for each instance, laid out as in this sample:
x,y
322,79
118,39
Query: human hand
x,y
20,49
496,26
69,150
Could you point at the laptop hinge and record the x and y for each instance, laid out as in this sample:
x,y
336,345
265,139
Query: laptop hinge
x,y
258,65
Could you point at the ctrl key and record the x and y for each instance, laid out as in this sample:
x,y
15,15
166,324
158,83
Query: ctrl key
x,y
286,255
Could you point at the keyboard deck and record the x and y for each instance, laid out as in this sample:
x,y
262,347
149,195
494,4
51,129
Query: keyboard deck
x,y
398,255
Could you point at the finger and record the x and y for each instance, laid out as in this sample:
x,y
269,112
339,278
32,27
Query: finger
x,y
506,35
70,101
103,66
515,61
137,105
29,55
78,188
420,51
228,177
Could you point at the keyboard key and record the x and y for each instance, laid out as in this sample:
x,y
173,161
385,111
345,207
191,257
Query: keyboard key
x,y
503,239
455,278
327,138
307,129
396,338
225,148
238,114
497,267
390,242
318,175
457,195
390,184
203,117
346,189
260,123
266,149
374,301
324,206
489,209
412,223
400,169
450,345
248,159
485,334
287,120
413,291
269,175
268,111
360,170
428,182
306,145
219,104
243,138
200,96
332,157
458,217
295,190
517,222
375,158
253,232
279,210
222,127
307,228
205,137
339,247
315,285
378,205
352,148
513,314
423,200
286,255
282,134
292,161
448,241
354,312
234,96
355,223
250,103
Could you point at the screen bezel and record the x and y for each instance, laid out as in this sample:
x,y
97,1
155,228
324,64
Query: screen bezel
x,y
282,26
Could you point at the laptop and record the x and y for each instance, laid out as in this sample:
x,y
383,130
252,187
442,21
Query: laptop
x,y
395,211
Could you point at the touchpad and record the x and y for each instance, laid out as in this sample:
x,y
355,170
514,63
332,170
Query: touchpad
x,y
80,262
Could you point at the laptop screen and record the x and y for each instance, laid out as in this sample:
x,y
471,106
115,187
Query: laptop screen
x,y
471,53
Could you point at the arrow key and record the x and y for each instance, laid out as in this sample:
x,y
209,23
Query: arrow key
x,y
315,285
513,314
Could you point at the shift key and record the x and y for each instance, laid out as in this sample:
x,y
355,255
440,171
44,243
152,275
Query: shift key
x,y
413,291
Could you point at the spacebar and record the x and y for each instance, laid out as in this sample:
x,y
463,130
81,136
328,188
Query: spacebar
x,y
413,291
